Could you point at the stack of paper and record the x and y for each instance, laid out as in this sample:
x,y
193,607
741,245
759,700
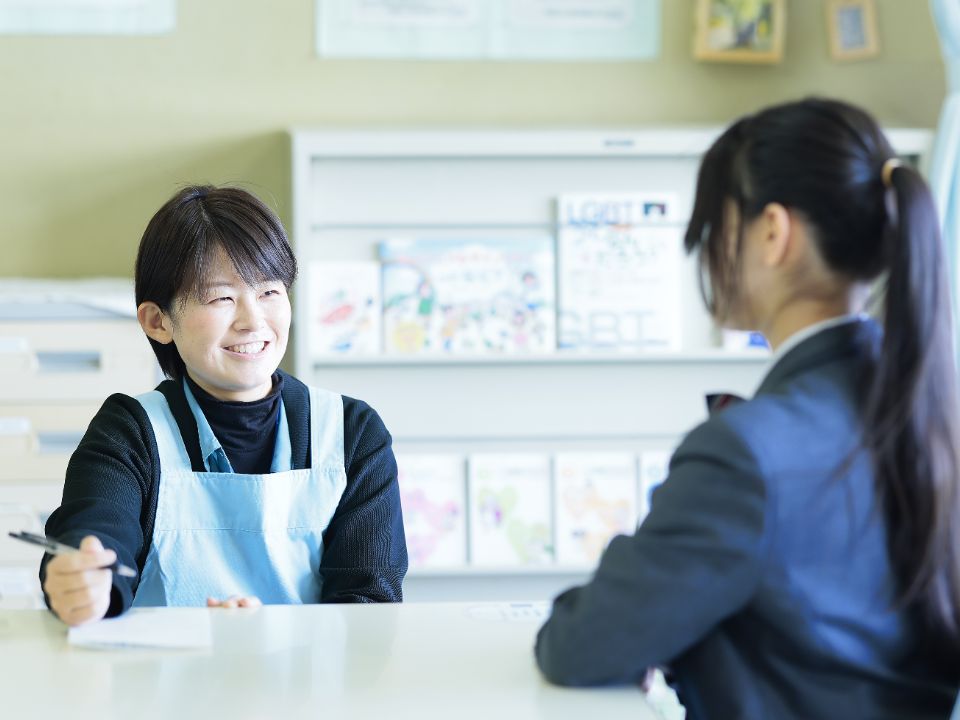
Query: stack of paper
x,y
147,628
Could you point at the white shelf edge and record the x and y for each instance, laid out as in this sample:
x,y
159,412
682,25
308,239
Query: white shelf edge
x,y
445,142
675,141
400,227
707,356
481,571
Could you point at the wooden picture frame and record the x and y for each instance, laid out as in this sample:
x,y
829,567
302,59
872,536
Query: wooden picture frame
x,y
852,28
723,34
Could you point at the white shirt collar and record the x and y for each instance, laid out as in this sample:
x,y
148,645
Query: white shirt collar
x,y
806,333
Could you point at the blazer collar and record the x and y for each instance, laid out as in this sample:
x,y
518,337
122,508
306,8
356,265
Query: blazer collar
x,y
858,337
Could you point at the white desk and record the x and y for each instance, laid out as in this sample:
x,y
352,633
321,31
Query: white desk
x,y
286,662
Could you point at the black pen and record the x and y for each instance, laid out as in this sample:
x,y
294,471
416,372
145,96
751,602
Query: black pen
x,y
58,548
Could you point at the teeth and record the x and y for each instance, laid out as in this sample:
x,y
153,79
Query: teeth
x,y
247,348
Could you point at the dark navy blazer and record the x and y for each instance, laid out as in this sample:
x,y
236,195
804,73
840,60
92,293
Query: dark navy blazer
x,y
761,576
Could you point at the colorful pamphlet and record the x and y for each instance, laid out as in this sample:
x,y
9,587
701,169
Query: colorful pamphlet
x,y
434,503
654,468
469,296
596,498
344,301
510,511
743,340
619,265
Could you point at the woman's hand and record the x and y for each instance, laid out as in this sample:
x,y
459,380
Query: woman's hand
x,y
77,583
235,601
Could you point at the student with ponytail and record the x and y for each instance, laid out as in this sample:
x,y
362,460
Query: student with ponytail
x,y
802,559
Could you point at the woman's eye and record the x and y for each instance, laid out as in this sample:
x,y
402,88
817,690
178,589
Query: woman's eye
x,y
225,298
271,293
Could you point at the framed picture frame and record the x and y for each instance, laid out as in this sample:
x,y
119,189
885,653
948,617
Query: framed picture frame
x,y
739,32
852,28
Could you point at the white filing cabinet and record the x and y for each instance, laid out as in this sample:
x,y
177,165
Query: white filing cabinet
x,y
60,358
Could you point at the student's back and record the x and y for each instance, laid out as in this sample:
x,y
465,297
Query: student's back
x,y
802,559
818,635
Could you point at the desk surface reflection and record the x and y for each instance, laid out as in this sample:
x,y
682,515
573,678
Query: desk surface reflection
x,y
291,662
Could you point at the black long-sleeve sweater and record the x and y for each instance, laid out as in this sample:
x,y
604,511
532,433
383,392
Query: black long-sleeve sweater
x,y
113,477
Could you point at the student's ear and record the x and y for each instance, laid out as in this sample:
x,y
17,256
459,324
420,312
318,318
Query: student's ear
x,y
777,226
155,323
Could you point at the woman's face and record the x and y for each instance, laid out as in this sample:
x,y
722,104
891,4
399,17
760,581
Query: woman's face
x,y
233,337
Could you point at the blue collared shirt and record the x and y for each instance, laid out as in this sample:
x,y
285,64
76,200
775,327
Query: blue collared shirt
x,y
215,457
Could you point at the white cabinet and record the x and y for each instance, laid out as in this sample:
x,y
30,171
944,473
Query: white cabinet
x,y
59,361
352,189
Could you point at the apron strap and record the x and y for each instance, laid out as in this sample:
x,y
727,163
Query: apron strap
x,y
170,447
326,430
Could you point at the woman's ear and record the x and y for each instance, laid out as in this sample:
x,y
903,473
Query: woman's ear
x,y
155,323
776,224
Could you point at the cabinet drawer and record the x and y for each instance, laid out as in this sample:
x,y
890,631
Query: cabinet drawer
x,y
42,497
82,360
25,507
36,441
13,518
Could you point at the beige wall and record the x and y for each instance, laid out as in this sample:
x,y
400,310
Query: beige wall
x,y
98,132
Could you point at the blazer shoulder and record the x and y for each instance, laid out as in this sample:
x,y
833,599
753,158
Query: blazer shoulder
x,y
740,435
721,434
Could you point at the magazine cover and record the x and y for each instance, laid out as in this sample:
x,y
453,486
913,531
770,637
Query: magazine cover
x,y
619,264
434,502
469,296
344,300
510,509
654,468
596,498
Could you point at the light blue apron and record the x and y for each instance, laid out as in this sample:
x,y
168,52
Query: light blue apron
x,y
220,533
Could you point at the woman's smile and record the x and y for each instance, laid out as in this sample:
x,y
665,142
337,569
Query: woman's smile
x,y
252,349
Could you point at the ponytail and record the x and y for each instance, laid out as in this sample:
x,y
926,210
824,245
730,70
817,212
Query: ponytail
x,y
823,158
912,416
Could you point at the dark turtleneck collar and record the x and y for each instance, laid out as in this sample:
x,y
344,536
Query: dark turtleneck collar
x,y
246,430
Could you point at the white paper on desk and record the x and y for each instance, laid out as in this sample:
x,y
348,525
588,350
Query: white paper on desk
x,y
147,628
511,611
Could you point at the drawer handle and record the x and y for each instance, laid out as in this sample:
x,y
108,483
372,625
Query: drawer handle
x,y
58,443
68,362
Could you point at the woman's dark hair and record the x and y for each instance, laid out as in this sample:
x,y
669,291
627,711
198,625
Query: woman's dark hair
x,y
824,160
182,238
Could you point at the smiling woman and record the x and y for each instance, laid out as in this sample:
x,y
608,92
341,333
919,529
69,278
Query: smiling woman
x,y
204,247
229,335
232,482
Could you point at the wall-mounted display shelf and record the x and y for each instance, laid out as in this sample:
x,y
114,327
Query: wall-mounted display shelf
x,y
358,196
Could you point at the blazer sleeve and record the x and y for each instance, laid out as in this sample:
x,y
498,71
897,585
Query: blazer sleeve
x,y
365,553
696,559
107,489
